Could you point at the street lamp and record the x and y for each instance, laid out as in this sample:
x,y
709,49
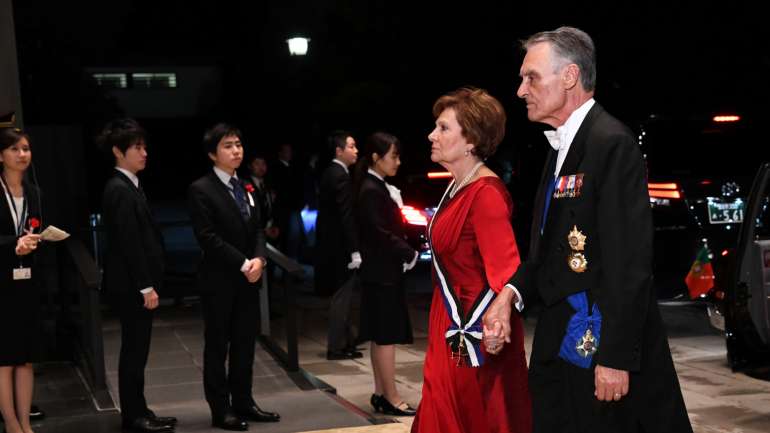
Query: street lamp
x,y
298,46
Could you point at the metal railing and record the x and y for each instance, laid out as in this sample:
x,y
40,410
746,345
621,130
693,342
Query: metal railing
x,y
284,292
80,274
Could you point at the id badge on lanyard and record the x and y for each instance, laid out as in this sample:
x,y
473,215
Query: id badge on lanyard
x,y
20,273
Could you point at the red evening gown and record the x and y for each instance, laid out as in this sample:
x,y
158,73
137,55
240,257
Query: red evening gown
x,y
473,238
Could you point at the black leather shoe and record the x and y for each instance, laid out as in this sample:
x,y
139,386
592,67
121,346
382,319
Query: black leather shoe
x,y
402,409
35,414
229,421
170,420
146,425
254,413
336,355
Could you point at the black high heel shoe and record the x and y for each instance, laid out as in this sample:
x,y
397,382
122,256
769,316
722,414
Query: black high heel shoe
x,y
376,402
402,409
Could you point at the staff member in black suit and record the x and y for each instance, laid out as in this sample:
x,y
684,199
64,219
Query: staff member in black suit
x,y
264,194
286,177
133,268
338,254
229,230
600,353
19,297
385,257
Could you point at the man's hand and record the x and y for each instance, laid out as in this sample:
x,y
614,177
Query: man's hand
x,y
492,342
255,270
611,384
150,300
497,319
355,261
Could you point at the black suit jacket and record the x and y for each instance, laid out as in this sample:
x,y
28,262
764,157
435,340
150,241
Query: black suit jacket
x,y
336,229
381,229
226,238
613,211
133,259
264,199
8,238
287,182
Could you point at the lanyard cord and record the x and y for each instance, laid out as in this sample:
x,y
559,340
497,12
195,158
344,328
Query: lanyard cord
x,y
19,218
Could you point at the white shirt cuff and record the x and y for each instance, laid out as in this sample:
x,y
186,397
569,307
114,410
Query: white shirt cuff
x,y
245,267
146,291
355,256
519,302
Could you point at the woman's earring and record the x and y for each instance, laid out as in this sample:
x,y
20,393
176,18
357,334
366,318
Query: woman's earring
x,y
467,152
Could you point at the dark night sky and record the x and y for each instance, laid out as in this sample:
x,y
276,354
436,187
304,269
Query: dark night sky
x,y
381,64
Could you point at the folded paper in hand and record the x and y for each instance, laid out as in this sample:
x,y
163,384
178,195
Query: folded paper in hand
x,y
53,234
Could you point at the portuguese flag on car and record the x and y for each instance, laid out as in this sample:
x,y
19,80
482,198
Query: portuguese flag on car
x,y
700,279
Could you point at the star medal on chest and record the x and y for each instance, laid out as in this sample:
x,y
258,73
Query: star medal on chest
x,y
576,259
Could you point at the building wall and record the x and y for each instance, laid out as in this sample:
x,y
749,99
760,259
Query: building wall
x,y
10,95
198,89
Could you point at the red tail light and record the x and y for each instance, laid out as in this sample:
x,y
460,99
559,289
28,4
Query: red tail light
x,y
414,216
664,190
722,118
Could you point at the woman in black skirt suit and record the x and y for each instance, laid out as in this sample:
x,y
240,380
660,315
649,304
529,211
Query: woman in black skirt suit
x,y
385,257
19,324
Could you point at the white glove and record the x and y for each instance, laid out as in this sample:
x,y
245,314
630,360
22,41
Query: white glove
x,y
410,265
355,260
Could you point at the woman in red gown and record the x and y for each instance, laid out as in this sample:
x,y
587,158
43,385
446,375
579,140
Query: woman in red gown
x,y
464,389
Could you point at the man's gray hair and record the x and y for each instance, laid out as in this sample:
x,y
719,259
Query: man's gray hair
x,y
571,45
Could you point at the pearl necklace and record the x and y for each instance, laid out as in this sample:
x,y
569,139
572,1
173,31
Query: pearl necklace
x,y
459,186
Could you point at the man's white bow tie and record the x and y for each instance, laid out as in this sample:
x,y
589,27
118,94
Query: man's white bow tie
x,y
557,139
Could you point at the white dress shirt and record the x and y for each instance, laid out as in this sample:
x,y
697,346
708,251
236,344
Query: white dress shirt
x,y
341,164
561,140
566,133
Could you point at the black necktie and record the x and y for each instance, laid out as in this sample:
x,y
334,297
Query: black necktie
x,y
240,197
141,192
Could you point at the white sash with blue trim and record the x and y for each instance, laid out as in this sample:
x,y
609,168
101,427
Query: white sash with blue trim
x,y
464,335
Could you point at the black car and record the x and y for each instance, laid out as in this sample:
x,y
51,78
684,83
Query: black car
x,y
740,304
699,172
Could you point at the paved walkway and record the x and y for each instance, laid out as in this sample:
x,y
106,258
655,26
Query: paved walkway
x,y
718,400
173,384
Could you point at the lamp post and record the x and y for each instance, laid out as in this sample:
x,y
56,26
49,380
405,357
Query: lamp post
x,y
298,45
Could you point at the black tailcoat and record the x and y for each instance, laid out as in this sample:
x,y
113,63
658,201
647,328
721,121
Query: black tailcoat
x,y
613,211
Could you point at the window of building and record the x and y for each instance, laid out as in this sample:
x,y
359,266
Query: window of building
x,y
111,81
154,80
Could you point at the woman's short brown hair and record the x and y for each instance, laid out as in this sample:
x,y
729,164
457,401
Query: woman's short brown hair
x,y
480,115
